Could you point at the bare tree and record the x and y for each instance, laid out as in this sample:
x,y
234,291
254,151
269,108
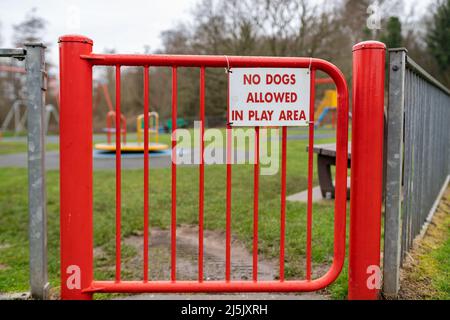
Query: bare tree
x,y
31,29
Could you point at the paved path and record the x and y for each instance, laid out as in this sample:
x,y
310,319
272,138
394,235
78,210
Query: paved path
x,y
129,161
317,195
19,160
104,161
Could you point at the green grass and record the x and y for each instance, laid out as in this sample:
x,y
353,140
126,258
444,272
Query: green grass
x,y
427,274
10,147
439,260
442,276
13,215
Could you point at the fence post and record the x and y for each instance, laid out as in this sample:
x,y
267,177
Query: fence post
x,y
366,170
37,229
76,167
393,183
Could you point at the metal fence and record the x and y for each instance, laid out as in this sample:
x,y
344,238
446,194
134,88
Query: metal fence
x,y
418,158
34,56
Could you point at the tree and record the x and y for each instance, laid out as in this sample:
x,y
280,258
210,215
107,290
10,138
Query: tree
x,y
438,39
32,29
392,36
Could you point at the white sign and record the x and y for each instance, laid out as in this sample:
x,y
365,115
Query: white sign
x,y
269,97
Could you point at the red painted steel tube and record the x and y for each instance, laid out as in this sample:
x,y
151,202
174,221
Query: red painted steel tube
x,y
228,195
146,187
201,194
310,177
75,168
118,178
367,166
173,229
324,81
160,60
255,206
283,200
211,286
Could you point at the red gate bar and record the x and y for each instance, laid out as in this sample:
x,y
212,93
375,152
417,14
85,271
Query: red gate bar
x,y
146,187
75,56
367,166
173,229
112,115
310,177
228,202
118,177
201,193
283,200
255,206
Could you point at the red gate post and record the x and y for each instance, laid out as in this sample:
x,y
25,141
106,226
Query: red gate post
x,y
366,170
76,167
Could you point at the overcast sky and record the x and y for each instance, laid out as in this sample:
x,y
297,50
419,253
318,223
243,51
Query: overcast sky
x,y
125,25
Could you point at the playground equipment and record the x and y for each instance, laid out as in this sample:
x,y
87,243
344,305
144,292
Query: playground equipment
x,y
110,128
110,118
17,114
153,123
111,114
327,106
153,126
180,123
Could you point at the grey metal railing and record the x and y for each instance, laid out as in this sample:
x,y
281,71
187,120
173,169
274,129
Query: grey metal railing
x,y
418,159
34,55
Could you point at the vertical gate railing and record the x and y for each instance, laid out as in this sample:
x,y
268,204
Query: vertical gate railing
x,y
34,55
77,281
418,158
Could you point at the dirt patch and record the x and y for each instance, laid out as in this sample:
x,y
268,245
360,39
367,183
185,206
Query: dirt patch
x,y
3,267
15,296
187,256
187,263
416,275
4,246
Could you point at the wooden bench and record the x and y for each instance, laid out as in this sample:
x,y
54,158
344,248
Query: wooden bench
x,y
326,157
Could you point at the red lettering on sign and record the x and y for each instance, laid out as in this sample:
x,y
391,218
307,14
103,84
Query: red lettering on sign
x,y
280,79
268,97
260,115
251,79
290,115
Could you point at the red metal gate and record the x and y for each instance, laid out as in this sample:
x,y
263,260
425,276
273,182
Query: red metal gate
x,y
76,162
